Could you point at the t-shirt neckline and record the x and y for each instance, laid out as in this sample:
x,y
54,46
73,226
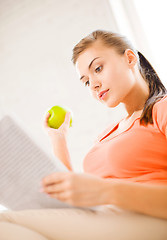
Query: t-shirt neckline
x,y
114,128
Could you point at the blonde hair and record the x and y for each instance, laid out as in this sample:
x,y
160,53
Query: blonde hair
x,y
120,43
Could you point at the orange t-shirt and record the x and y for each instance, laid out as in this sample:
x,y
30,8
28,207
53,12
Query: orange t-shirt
x,y
137,154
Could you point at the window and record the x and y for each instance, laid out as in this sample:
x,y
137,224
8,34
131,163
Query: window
x,y
152,14
143,22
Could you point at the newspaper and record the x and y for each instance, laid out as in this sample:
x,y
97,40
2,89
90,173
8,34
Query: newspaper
x,y
22,166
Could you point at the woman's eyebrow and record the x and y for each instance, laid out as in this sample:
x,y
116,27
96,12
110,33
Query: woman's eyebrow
x,y
89,66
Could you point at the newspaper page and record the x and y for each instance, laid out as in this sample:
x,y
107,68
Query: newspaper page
x,y
22,166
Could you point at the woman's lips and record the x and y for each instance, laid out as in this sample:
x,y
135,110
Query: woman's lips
x,y
103,94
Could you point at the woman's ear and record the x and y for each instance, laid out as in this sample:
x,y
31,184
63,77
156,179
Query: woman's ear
x,y
131,57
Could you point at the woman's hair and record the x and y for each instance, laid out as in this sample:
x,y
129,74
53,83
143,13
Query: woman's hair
x,y
120,43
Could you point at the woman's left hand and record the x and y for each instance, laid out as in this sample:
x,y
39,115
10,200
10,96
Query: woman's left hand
x,y
76,189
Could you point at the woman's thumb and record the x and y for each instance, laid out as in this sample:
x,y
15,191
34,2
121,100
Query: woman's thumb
x,y
67,119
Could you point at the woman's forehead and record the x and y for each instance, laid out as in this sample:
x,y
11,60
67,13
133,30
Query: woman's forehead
x,y
96,48
94,51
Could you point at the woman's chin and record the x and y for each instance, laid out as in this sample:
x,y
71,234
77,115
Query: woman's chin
x,y
111,104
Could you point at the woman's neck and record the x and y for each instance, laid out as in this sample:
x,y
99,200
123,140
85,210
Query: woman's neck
x,y
135,100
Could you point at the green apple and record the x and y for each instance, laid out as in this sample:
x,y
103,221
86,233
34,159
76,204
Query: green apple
x,y
57,116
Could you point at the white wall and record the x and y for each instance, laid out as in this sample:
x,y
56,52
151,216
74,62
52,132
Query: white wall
x,y
36,41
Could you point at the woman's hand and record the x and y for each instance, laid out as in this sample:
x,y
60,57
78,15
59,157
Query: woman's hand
x,y
61,132
76,189
59,141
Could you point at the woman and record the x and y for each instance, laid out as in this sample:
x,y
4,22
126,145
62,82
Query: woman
x,y
125,171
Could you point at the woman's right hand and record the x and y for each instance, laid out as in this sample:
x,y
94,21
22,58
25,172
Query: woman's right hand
x,y
61,132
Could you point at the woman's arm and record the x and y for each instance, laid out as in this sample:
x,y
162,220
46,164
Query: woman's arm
x,y
140,197
85,190
58,139
60,150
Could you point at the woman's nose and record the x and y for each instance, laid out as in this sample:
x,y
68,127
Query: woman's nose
x,y
94,84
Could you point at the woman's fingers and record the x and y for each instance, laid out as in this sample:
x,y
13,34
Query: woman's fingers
x,y
67,117
66,122
55,184
53,178
62,196
46,120
55,188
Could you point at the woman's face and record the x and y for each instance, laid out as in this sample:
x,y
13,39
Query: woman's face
x,y
108,75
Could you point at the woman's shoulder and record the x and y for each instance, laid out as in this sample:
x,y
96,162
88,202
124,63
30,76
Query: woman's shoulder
x,y
159,114
162,101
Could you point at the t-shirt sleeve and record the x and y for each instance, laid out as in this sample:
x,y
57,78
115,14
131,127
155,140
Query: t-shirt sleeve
x,y
160,114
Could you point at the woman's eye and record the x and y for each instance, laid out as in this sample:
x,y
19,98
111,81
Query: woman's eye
x,y
98,69
86,83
